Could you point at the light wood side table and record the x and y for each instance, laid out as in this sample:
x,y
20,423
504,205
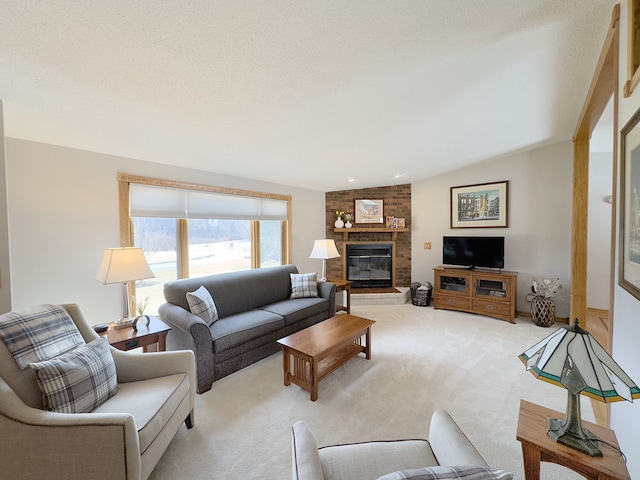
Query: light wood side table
x,y
343,286
128,339
538,447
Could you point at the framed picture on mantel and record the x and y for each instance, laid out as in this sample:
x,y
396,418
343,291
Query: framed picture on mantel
x,y
369,211
482,205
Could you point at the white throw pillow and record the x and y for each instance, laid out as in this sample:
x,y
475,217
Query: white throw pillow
x,y
441,472
304,285
80,380
201,304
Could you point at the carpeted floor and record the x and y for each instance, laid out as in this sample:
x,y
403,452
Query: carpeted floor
x,y
423,359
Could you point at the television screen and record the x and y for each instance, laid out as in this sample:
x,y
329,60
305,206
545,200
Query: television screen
x,y
472,252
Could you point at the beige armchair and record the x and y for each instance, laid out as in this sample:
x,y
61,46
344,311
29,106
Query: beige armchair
x,y
123,438
447,446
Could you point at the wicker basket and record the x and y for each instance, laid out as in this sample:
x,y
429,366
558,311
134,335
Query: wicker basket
x,y
543,311
420,294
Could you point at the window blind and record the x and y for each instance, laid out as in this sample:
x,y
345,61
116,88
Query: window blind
x,y
165,202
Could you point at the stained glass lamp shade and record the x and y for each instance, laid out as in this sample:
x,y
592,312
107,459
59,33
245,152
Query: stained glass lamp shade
x,y
571,358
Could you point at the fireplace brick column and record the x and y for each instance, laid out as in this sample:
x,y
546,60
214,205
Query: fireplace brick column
x,y
396,203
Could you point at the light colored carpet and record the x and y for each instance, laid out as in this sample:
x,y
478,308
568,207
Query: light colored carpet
x,y
423,359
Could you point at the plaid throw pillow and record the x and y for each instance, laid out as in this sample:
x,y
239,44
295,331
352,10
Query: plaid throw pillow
x,y
80,380
201,304
441,472
304,285
39,333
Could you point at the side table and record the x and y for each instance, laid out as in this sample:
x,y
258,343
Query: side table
x,y
538,447
343,286
128,339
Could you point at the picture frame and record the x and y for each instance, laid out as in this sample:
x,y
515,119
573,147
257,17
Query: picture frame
x,y
484,205
633,51
629,246
369,211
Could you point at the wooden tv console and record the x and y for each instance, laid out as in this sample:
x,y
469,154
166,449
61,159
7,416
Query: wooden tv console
x,y
476,291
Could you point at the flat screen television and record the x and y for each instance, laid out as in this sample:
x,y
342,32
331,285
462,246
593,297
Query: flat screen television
x,y
473,252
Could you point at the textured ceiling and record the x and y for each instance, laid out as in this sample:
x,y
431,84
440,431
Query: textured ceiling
x,y
306,93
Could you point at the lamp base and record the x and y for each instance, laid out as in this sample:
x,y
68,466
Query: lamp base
x,y
579,439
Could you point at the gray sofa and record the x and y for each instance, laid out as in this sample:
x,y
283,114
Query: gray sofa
x,y
254,309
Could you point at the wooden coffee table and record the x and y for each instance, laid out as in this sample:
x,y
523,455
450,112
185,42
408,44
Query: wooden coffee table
x,y
316,351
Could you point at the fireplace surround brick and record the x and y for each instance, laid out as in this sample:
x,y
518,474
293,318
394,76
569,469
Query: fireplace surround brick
x,y
397,203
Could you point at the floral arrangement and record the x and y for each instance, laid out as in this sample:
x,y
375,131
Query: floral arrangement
x,y
546,287
347,217
339,214
140,308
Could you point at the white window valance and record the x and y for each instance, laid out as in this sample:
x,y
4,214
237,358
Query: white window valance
x,y
167,202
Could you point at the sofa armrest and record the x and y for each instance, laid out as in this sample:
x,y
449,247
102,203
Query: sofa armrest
x,y
190,332
305,461
449,444
97,445
328,290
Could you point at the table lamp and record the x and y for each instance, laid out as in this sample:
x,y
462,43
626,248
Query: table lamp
x,y
123,265
571,358
324,249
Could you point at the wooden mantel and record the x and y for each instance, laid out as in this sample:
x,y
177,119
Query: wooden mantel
x,y
346,231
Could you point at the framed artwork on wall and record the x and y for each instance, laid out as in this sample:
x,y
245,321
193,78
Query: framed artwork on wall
x,y
629,249
369,211
480,206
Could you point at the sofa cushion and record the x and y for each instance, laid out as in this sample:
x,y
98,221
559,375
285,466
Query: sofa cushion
x,y
230,331
448,473
202,305
304,285
297,309
80,380
151,402
39,333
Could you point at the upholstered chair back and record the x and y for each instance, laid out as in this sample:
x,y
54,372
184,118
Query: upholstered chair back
x,y
23,380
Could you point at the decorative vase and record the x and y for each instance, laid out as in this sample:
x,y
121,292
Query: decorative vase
x,y
543,311
138,321
339,223
348,224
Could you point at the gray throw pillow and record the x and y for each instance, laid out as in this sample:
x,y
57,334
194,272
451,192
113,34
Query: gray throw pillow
x,y
201,304
304,285
80,380
441,472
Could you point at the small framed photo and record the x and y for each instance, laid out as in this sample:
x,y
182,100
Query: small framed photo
x,y
369,211
482,205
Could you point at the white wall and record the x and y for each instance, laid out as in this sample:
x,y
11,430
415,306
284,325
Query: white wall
x,y
599,230
5,263
63,213
625,417
538,239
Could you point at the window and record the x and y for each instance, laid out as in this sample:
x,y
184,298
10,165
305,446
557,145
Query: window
x,y
192,230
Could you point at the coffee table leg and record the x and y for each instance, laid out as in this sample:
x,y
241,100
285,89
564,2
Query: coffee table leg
x,y
285,365
314,380
368,348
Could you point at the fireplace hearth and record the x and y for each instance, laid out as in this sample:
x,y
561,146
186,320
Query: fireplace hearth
x,y
370,265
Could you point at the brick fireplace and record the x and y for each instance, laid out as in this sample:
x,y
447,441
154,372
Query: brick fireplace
x,y
396,203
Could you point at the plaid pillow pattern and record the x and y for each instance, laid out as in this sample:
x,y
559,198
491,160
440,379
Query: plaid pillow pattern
x,y
441,472
39,333
201,304
304,285
80,380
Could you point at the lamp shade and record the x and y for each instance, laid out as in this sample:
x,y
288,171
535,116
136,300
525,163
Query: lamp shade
x,y
122,265
324,249
571,358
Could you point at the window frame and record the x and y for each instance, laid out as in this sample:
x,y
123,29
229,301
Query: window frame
x,y
126,225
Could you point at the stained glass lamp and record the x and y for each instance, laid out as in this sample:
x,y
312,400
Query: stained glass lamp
x,y
571,358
